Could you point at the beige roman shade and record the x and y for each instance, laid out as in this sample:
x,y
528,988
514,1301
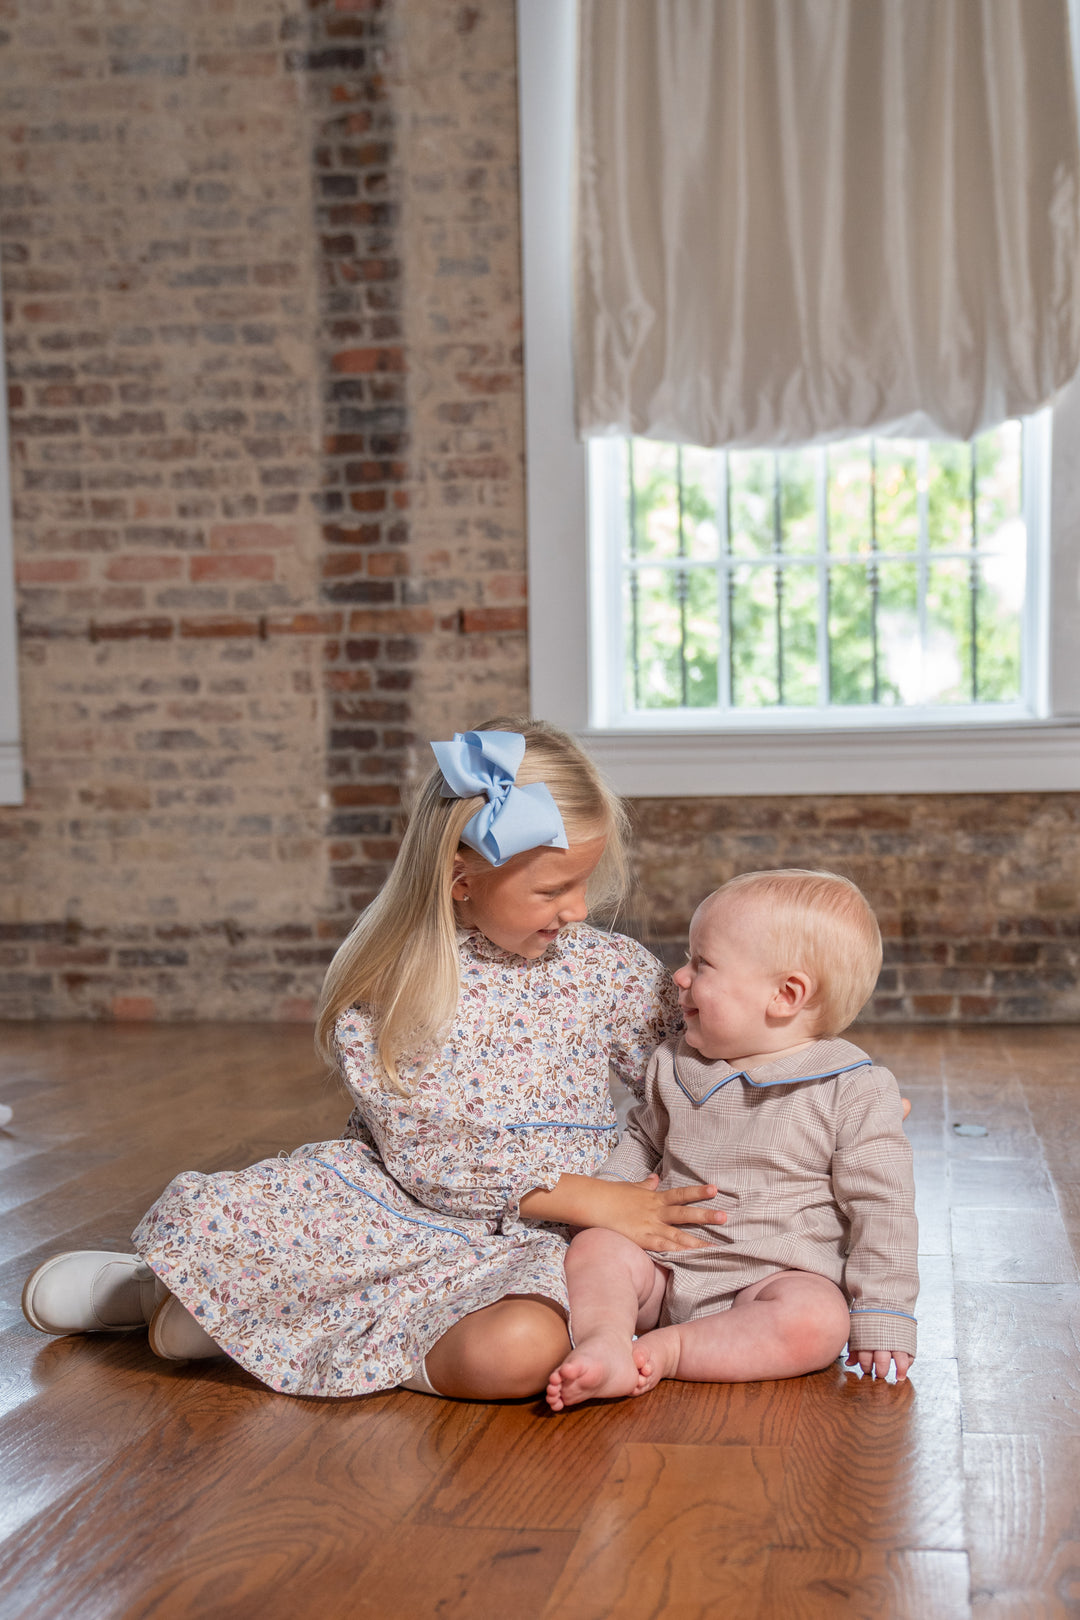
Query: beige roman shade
x,y
799,219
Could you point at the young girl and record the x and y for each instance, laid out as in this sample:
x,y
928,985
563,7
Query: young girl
x,y
473,1016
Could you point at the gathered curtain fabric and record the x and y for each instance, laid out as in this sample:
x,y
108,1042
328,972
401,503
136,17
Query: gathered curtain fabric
x,y
803,219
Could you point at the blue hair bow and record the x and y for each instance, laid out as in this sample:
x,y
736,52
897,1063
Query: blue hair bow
x,y
515,818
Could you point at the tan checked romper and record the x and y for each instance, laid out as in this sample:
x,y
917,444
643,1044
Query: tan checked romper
x,y
809,1159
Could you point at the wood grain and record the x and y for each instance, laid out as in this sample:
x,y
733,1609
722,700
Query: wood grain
x,y
675,1531
866,1584
131,1488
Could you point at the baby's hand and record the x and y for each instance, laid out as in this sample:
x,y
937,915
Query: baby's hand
x,y
654,1219
878,1362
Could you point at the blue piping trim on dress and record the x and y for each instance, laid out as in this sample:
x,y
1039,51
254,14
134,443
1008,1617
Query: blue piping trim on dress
x,y
416,1221
760,1085
881,1310
559,1125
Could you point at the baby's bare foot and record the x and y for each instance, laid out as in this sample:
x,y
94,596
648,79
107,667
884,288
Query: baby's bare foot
x,y
598,1368
656,1356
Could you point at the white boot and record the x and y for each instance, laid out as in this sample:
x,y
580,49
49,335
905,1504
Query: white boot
x,y
176,1336
91,1291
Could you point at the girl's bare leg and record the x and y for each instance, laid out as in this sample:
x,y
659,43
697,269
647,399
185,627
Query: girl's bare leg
x,y
615,1289
502,1352
791,1323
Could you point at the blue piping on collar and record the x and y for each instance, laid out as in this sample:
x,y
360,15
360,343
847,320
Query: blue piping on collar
x,y
760,1085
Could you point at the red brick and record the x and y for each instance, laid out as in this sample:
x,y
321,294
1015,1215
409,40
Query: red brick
x,y
383,564
51,571
306,624
358,362
247,566
493,620
135,1009
208,628
133,630
388,620
147,569
250,537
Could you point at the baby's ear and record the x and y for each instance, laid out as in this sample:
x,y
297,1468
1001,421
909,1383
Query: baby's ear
x,y
792,995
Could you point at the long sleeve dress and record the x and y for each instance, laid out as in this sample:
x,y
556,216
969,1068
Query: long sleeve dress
x,y
334,1270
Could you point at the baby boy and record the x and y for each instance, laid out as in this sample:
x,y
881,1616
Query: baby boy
x,y
800,1134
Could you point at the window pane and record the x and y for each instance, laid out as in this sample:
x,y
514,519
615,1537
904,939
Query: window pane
x,y
947,655
849,497
896,483
701,491
799,618
798,502
675,615
851,646
949,497
655,502
753,516
900,676
921,582
754,682
998,506
999,604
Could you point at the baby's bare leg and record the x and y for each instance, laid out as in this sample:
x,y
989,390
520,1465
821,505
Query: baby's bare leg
x,y
615,1288
791,1323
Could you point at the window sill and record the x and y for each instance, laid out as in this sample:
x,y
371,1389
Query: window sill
x,y
1035,756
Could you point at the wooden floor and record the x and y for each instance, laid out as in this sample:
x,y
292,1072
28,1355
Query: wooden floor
x,y
129,1487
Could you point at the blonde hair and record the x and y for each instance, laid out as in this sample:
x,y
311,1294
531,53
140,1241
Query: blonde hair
x,y
822,923
401,958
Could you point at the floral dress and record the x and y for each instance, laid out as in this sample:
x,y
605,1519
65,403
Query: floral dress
x,y
334,1270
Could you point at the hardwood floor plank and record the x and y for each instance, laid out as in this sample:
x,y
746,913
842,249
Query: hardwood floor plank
x,y
933,1181
130,1488
1017,1352
986,1183
322,1485
1009,1245
458,1575
876,1464
675,1531
1023,1521
507,1475
937,1310
866,1584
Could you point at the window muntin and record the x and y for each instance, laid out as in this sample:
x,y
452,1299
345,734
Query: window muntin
x,y
869,582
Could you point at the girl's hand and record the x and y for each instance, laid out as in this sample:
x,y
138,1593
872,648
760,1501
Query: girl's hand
x,y
653,1219
648,1217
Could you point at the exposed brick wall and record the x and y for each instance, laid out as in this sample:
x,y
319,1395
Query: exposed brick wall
x,y
263,316
160,291
978,895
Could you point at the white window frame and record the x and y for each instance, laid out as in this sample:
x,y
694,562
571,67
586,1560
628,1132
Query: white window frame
x,y
11,767
569,660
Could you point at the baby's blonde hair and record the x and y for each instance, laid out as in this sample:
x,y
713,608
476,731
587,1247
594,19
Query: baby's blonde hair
x,y
401,958
819,922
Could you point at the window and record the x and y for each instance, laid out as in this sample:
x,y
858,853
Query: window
x,y
578,640
863,582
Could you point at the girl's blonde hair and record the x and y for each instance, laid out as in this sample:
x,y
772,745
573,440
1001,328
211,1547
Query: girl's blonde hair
x,y
822,923
401,958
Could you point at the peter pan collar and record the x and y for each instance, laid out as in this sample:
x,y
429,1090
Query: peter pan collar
x,y
700,1079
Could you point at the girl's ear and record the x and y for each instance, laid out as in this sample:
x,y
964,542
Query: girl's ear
x,y
791,996
459,880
